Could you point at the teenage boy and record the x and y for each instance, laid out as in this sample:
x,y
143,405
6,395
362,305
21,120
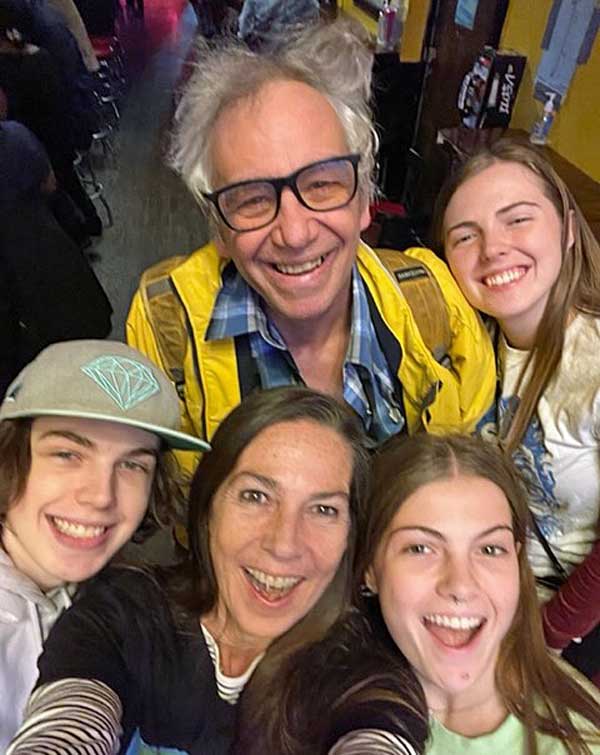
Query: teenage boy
x,y
85,434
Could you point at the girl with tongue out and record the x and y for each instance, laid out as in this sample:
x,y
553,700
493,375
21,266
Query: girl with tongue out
x,y
446,556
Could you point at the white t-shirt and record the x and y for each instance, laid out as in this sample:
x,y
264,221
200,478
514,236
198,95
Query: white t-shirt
x,y
559,457
26,617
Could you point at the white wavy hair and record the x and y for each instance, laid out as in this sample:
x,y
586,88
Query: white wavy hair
x,y
333,58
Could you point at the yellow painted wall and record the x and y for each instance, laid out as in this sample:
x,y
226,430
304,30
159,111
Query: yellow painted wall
x,y
414,29
575,133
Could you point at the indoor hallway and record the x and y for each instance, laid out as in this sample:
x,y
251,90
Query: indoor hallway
x,y
154,215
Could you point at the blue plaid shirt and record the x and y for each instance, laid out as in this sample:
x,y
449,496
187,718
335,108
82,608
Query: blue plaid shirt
x,y
368,384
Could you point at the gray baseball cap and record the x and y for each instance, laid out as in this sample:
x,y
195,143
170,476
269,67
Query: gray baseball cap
x,y
104,380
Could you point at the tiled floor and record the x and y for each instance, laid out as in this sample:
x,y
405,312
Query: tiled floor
x,y
154,216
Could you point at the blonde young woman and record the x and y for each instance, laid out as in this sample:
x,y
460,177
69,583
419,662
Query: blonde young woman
x,y
524,255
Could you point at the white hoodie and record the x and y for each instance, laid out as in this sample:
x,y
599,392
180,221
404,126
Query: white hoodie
x,y
26,617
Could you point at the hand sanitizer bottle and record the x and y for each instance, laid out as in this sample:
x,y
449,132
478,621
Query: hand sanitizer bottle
x,y
401,12
541,128
385,25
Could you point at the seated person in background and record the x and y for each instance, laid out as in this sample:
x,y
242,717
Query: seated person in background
x,y
279,150
46,28
161,656
445,557
522,253
26,173
84,464
38,97
267,24
25,170
48,291
71,17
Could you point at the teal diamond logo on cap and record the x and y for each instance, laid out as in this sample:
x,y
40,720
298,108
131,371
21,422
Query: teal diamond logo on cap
x,y
126,381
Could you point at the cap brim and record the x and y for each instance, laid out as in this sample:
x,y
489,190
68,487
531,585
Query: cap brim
x,y
173,438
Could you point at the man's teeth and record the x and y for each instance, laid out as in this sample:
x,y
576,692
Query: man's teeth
x,y
76,530
454,622
305,267
270,582
508,276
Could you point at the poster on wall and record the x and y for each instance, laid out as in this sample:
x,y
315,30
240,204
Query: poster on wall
x,y
570,34
466,10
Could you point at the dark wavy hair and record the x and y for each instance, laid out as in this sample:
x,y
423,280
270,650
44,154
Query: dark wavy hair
x,y
354,677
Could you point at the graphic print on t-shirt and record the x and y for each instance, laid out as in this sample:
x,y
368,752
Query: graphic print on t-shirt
x,y
533,461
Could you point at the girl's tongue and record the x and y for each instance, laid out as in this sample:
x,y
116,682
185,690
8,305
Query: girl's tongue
x,y
452,638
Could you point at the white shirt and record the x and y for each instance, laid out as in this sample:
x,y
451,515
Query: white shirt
x,y
559,456
26,617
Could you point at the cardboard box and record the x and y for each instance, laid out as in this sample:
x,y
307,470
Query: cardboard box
x,y
489,90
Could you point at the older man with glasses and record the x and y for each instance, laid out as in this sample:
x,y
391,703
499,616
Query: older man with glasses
x,y
279,151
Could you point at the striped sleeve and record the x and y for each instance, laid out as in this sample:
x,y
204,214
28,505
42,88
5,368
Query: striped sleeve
x,y
70,717
372,742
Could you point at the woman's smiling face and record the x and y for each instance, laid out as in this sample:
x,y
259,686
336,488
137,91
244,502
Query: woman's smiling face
x,y
447,576
279,529
503,243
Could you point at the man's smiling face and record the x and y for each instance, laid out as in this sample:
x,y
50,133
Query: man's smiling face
x,y
301,263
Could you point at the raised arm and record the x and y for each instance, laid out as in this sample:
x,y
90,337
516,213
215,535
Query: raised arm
x,y
73,717
88,691
372,742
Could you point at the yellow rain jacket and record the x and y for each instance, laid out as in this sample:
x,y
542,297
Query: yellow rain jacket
x,y
435,397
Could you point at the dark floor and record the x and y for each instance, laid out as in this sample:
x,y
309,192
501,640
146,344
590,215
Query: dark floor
x,y
154,216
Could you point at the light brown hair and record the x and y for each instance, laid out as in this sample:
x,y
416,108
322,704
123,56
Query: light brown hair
x,y
531,683
577,287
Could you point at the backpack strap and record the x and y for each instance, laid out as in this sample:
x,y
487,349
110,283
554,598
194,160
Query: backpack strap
x,y
413,278
167,317
425,299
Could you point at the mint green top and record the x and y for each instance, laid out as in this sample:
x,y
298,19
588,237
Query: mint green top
x,y
508,739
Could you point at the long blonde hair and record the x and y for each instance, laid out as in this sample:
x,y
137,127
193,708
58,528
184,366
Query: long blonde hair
x,y
576,288
531,683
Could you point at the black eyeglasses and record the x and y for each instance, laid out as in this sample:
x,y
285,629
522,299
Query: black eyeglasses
x,y
321,186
